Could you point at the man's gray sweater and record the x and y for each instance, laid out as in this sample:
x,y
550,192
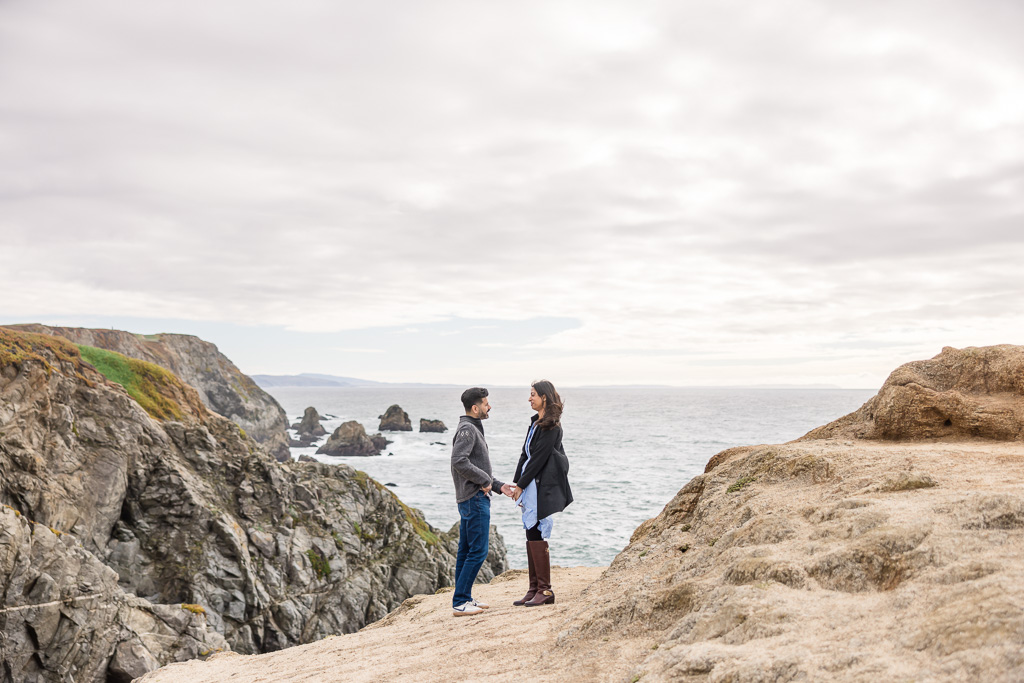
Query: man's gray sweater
x,y
471,460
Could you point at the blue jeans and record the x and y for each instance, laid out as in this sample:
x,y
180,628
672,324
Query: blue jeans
x,y
474,533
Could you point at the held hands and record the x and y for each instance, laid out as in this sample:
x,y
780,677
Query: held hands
x,y
509,490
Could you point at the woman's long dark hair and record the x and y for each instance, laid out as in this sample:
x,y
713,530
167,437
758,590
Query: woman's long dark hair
x,y
552,405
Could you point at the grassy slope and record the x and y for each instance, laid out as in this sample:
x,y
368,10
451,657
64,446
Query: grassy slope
x,y
147,383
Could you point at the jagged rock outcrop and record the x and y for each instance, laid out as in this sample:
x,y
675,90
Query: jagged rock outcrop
x,y
65,617
379,442
222,387
349,439
961,393
432,425
395,419
310,424
840,559
191,510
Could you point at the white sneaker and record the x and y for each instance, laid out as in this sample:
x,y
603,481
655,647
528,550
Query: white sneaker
x,y
466,609
481,605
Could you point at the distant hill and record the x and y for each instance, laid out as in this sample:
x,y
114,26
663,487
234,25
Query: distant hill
x,y
312,379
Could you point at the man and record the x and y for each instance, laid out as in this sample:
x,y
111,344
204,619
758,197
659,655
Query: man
x,y
471,471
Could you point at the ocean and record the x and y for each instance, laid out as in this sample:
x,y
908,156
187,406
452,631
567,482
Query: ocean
x,y
630,449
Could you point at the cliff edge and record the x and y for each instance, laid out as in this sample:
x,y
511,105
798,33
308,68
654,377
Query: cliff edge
x,y
221,386
135,494
844,559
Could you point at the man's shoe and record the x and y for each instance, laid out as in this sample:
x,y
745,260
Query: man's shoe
x,y
466,609
481,605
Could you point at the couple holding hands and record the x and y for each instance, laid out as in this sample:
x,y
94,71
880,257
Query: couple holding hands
x,y
541,488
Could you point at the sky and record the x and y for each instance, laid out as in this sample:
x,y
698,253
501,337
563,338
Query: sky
x,y
684,193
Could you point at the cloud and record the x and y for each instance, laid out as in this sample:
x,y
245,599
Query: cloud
x,y
677,177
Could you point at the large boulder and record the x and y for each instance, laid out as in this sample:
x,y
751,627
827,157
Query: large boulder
x,y
221,386
432,425
395,419
976,392
349,439
310,424
187,509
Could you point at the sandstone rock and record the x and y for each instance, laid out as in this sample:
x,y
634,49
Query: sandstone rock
x,y
432,426
310,424
823,560
395,419
185,512
349,439
222,387
960,393
379,442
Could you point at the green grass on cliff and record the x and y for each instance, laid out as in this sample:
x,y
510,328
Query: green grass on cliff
x,y
145,382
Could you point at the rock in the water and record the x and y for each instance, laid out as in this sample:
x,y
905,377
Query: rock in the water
x,y
395,419
379,442
222,387
190,511
960,393
432,426
310,423
349,439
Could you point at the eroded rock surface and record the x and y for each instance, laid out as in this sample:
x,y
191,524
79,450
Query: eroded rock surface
x,y
976,392
65,617
221,386
826,560
194,511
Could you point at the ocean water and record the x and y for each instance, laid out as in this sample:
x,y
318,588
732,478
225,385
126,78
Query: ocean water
x,y
630,450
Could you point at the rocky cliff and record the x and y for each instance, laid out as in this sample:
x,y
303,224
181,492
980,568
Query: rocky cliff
x,y
188,509
222,387
841,559
824,559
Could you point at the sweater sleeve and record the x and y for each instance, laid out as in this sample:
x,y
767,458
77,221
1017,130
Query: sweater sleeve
x,y
461,450
543,446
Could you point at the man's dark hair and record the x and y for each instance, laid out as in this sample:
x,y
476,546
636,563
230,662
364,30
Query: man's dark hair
x,y
470,397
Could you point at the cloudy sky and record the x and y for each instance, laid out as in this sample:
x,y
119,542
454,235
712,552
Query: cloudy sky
x,y
700,192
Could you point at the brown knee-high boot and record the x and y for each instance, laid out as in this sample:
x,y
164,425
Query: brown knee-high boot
x,y
542,566
533,577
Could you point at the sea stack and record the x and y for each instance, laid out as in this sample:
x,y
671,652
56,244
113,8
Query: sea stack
x,y
395,419
432,425
349,439
310,424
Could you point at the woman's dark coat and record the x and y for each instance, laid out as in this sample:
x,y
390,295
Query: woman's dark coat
x,y
549,466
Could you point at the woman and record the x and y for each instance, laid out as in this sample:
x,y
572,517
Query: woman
x,y
541,488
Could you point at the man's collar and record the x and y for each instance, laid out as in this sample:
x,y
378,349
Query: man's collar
x,y
476,421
